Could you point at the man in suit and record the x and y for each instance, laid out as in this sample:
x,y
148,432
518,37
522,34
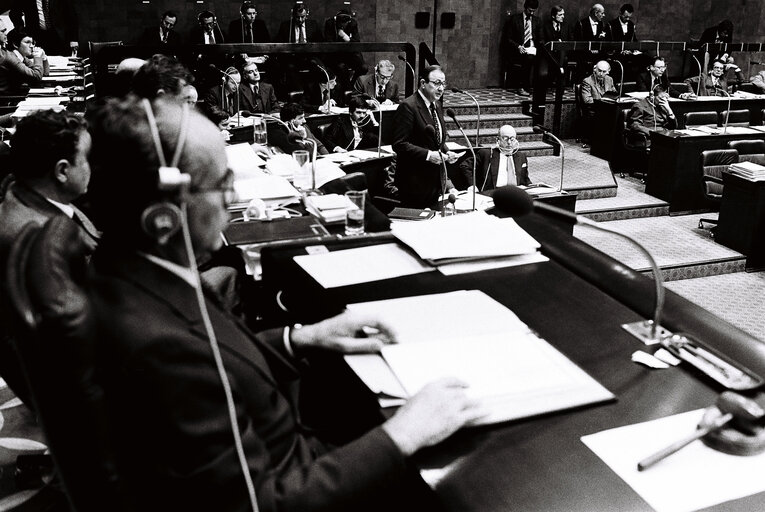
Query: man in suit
x,y
720,33
254,95
207,31
357,130
378,85
226,97
14,73
294,116
714,83
520,39
299,28
593,28
247,28
167,403
595,87
652,113
555,28
499,165
656,73
52,23
419,140
164,34
622,27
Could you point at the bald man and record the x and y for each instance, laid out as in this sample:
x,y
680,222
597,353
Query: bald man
x,y
502,164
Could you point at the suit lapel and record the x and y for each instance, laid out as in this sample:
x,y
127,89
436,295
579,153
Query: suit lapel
x,y
494,168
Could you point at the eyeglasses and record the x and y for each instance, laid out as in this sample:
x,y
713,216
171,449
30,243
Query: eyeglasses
x,y
383,78
225,185
438,83
660,66
505,138
718,68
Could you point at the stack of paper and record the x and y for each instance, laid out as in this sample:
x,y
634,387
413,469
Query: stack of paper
x,y
329,207
273,190
243,161
467,334
471,236
748,170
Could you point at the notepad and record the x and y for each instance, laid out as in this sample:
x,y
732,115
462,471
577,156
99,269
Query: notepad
x,y
511,371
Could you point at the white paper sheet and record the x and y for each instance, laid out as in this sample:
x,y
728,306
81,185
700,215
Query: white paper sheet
x,y
360,265
695,477
465,267
243,160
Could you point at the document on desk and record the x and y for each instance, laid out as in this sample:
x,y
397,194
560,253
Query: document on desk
x,y
360,265
467,334
243,161
694,478
271,189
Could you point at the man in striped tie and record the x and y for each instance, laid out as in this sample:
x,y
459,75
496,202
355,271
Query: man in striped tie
x,y
520,39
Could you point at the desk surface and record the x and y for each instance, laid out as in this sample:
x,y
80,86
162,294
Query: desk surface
x,y
539,463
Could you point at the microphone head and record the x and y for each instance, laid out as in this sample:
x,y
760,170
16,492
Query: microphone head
x,y
450,113
452,198
246,113
457,90
513,201
401,58
294,137
538,129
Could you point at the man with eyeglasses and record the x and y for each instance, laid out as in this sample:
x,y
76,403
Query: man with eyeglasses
x,y
207,30
502,164
655,74
379,85
13,71
248,28
419,140
714,83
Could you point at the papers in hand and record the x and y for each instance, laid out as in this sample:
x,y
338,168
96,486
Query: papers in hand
x,y
511,371
474,235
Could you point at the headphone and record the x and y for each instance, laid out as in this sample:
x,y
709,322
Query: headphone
x,y
162,220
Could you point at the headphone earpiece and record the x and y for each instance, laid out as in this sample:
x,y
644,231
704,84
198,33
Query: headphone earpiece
x,y
161,221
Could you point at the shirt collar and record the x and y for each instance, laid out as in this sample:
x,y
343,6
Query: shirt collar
x,y
68,209
182,272
18,55
426,100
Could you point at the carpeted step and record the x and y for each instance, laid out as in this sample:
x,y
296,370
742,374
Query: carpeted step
x,y
489,134
498,108
515,120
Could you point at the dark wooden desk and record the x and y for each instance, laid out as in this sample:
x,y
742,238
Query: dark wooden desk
x,y
314,121
675,168
607,130
577,302
741,224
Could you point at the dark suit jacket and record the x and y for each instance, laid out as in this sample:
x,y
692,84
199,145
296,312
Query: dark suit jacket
x,y
278,136
710,34
151,36
548,32
513,35
583,31
15,75
247,100
418,181
62,13
618,35
312,32
197,35
259,32
340,133
365,84
644,80
486,169
169,419
642,117
213,99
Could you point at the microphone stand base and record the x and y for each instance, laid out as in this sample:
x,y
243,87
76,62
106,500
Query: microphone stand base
x,y
645,332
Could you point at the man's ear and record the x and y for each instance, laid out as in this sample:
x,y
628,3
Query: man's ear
x,y
61,171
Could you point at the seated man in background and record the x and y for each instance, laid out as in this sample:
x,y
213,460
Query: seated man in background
x,y
23,46
378,85
227,100
294,116
207,30
656,73
15,72
321,95
156,357
652,113
254,95
162,34
713,83
247,28
595,87
500,165
357,130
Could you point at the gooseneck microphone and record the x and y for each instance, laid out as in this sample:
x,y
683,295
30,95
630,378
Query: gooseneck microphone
x,y
727,111
517,203
295,137
621,76
411,69
329,91
478,110
701,73
450,113
224,77
379,125
541,129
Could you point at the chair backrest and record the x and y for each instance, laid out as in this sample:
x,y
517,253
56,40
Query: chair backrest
x,y
95,46
749,150
629,87
713,163
578,101
700,118
53,335
320,132
735,117
352,181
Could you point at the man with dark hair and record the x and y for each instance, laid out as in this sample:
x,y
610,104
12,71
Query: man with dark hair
x,y
419,140
713,83
357,130
247,28
14,72
254,95
299,28
720,33
164,34
520,38
652,113
622,27
294,115
207,31
53,24
226,96
656,73
155,355
555,28
161,75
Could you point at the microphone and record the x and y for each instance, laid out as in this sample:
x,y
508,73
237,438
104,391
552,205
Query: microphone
x,y
379,125
450,113
414,75
226,76
329,91
727,112
621,75
547,133
755,63
295,137
701,73
517,203
478,120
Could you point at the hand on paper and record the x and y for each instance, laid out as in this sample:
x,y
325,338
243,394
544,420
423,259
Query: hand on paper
x,y
436,412
452,157
344,333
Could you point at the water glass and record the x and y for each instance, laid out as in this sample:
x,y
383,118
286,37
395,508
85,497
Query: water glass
x,y
302,178
354,214
259,129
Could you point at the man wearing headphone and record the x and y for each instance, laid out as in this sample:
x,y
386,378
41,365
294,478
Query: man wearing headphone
x,y
207,31
499,165
380,84
299,28
357,130
173,405
247,28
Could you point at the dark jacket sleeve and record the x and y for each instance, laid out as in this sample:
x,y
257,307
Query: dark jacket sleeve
x,y
403,124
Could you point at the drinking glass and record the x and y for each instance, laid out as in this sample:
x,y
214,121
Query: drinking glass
x,y
354,214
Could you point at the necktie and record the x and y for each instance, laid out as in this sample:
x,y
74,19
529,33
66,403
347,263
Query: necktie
x,y
436,123
249,34
211,35
527,31
301,34
164,37
45,20
380,92
510,171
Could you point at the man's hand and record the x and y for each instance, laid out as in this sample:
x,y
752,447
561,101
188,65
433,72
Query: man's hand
x,y
387,102
451,157
346,333
434,157
436,412
522,49
338,149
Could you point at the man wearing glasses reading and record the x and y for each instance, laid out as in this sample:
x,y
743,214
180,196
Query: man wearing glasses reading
x,y
419,137
714,83
379,85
